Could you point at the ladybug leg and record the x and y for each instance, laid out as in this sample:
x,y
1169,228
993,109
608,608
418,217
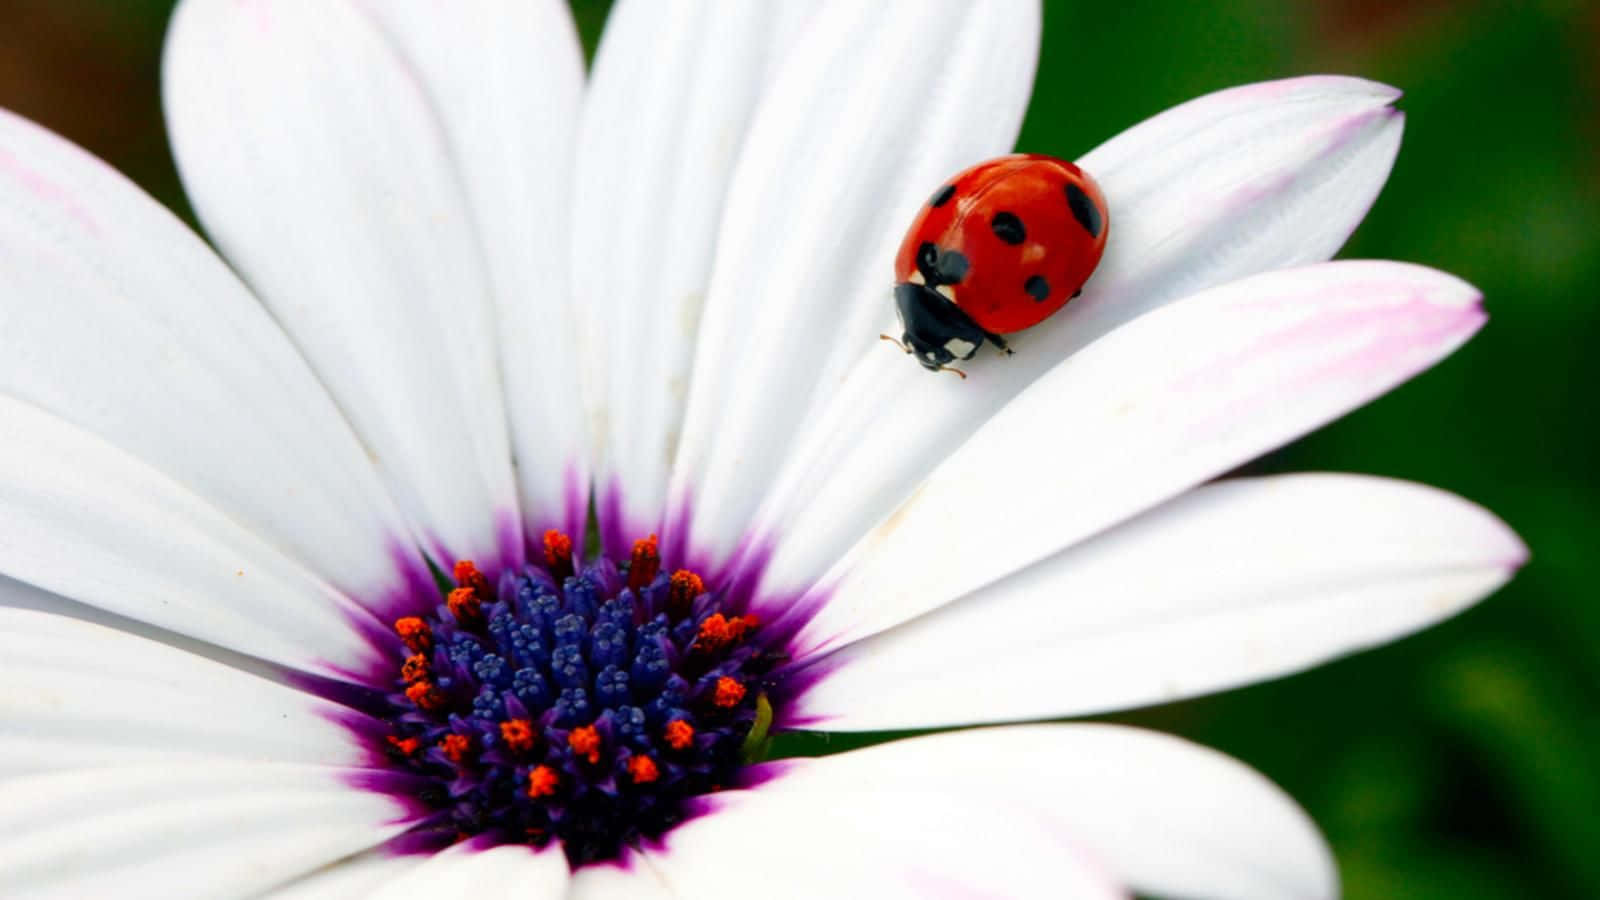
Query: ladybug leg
x,y
999,343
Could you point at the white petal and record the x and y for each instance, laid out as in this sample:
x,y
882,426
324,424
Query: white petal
x,y
347,879
468,871
505,78
215,829
876,104
1180,395
1166,817
121,321
1234,183
1232,583
837,837
1245,180
316,161
634,877
673,90
86,520
80,695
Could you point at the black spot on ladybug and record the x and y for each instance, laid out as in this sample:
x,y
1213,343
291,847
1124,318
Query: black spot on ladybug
x,y
1007,227
1037,288
943,197
941,267
953,267
1084,210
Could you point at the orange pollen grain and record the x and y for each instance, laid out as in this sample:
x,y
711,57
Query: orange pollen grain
x,y
585,742
643,770
425,695
729,693
739,626
468,576
558,553
407,746
543,781
415,668
415,633
684,587
680,734
646,562
465,606
518,734
455,746
714,632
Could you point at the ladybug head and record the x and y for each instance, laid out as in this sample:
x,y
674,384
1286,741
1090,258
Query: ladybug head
x,y
937,332
928,356
931,357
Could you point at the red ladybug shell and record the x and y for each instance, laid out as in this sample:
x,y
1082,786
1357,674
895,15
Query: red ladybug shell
x,y
1032,229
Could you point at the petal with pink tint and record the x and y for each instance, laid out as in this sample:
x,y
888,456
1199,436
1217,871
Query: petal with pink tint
x,y
1178,396
1234,183
1230,584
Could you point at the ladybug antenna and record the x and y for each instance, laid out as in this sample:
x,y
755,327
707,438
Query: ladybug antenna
x,y
897,344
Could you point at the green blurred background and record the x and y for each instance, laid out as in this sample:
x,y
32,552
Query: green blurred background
x,y
1458,763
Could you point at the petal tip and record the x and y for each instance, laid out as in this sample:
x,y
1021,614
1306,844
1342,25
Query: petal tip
x,y
1516,552
1330,85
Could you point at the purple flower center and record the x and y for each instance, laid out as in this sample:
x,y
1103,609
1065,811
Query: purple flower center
x,y
586,707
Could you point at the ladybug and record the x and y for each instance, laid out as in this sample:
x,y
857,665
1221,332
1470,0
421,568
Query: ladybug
x,y
997,249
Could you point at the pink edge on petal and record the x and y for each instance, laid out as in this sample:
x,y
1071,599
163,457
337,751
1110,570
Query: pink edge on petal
x,y
1340,137
1399,118
1284,87
45,189
1401,342
1427,334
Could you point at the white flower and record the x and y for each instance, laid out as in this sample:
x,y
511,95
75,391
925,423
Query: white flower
x,y
668,284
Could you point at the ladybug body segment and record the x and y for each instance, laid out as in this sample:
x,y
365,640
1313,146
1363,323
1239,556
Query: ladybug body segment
x,y
996,250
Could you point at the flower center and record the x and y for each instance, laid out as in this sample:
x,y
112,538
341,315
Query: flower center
x,y
581,706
